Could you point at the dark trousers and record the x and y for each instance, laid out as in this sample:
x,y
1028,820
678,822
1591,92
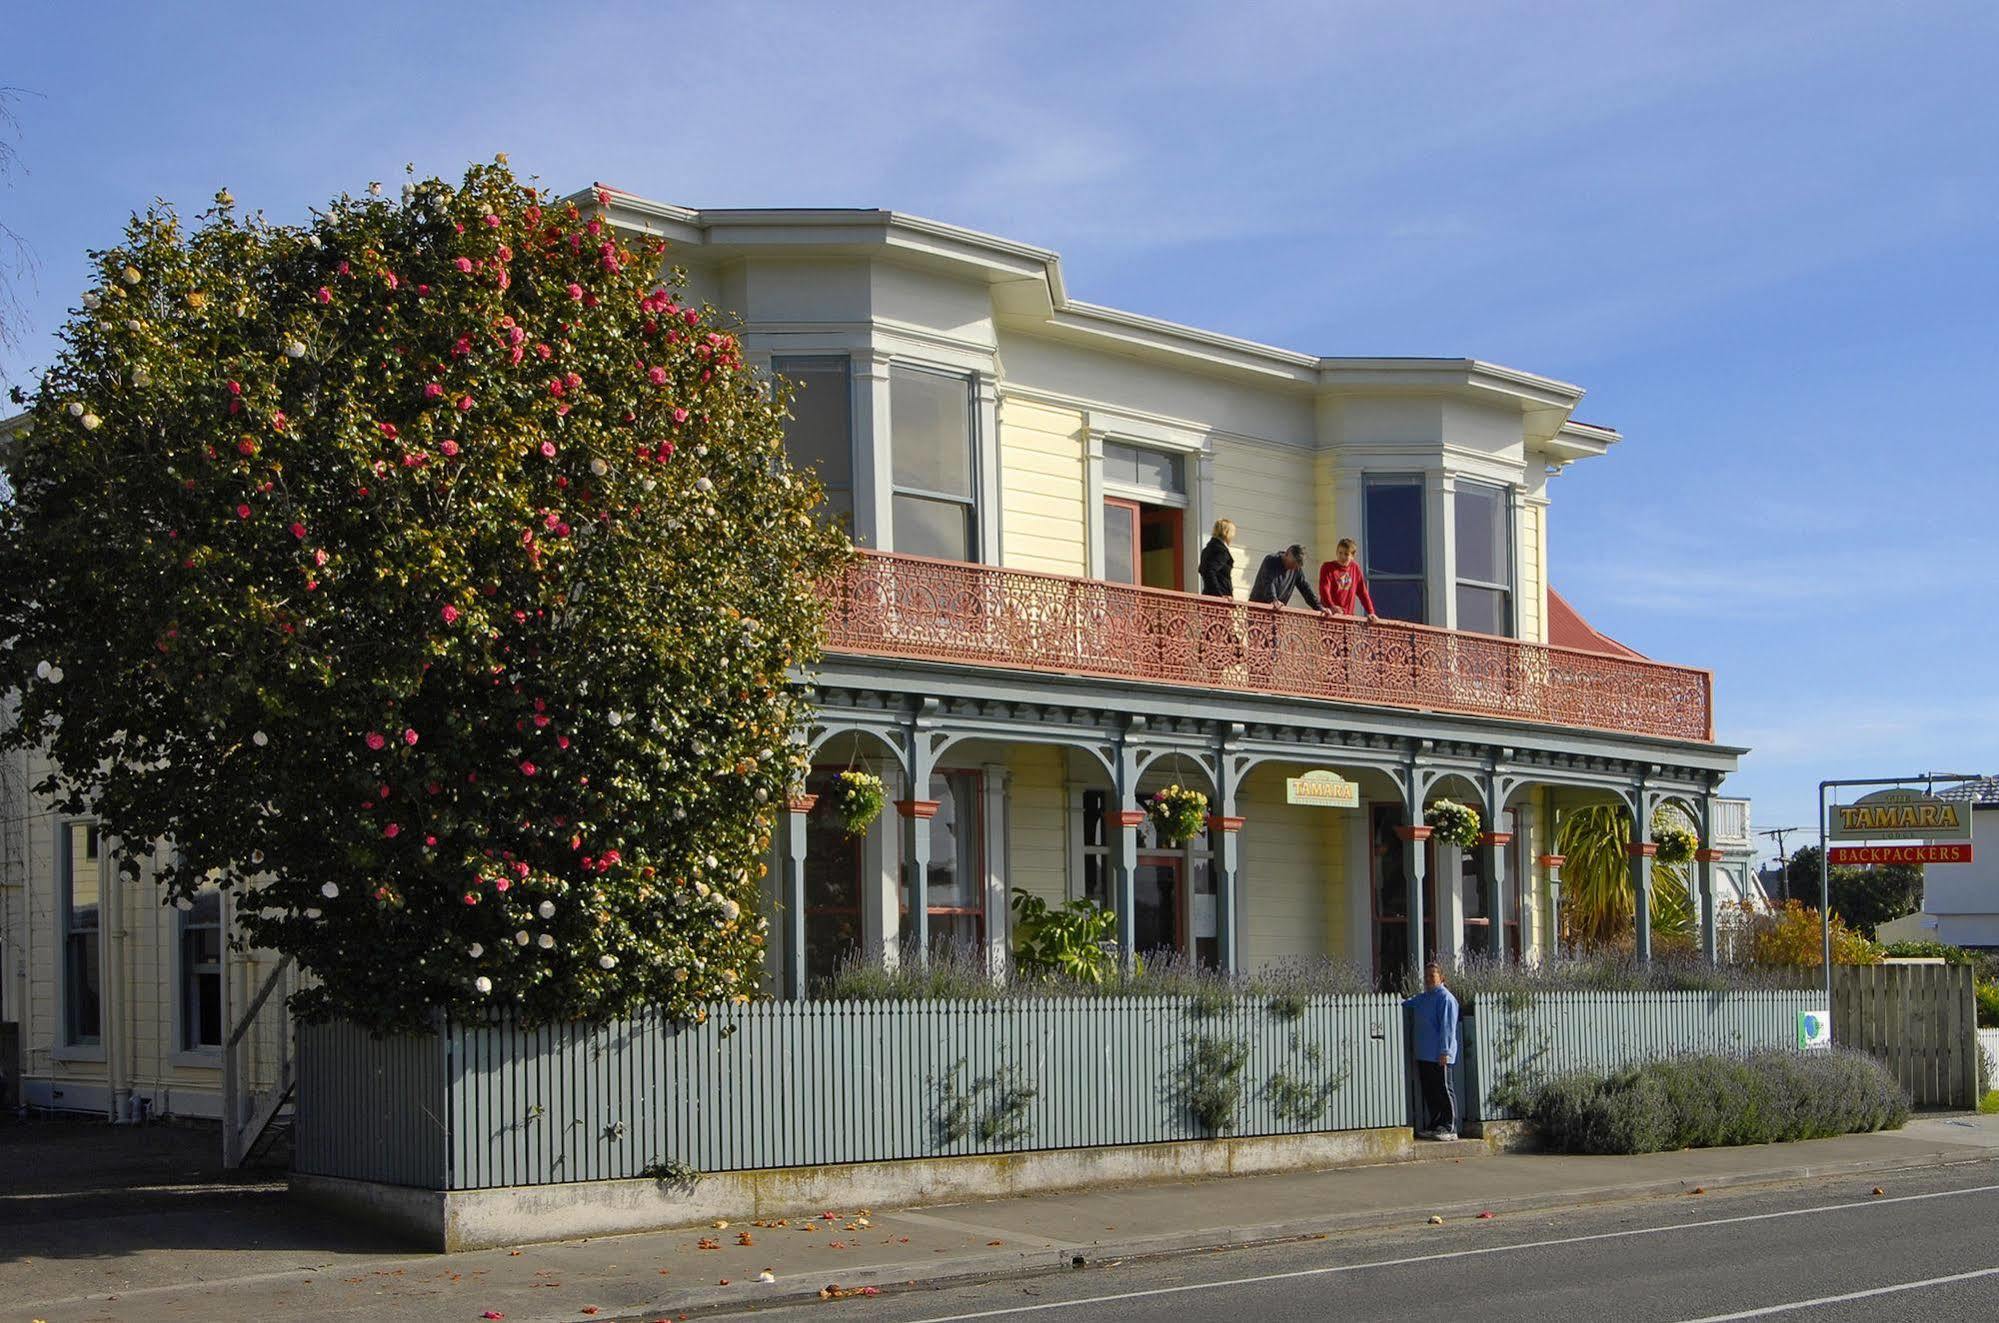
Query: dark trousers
x,y
1440,1108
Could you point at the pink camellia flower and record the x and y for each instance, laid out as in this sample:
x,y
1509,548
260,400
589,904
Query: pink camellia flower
x,y
450,614
544,351
515,334
548,449
298,531
242,512
562,530
422,291
680,415
392,831
550,520
390,277
555,387
463,264
492,220
573,381
235,388
603,198
430,840
501,884
690,317
527,769
376,740
575,290
516,354
325,295
246,447
462,346
345,269
449,447
464,404
319,556
433,391
657,376
562,741
409,736
278,421
388,430
471,898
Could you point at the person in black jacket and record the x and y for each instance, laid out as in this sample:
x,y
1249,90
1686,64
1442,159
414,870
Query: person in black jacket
x,y
1218,562
1281,574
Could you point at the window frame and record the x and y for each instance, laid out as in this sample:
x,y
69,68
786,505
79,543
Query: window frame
x,y
185,1051
69,1046
846,370
1510,595
1369,539
968,803
974,498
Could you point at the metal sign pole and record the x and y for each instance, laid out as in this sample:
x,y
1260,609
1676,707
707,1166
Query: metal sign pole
x,y
1825,900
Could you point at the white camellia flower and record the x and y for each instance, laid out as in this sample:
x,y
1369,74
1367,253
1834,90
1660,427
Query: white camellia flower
x,y
315,241
91,422
75,410
607,962
483,984
294,349
134,325
521,938
91,302
545,942
475,950
703,485
256,856
42,669
55,675
546,909
260,739
616,718
731,910
141,377
330,890
130,275
599,467
312,913
375,188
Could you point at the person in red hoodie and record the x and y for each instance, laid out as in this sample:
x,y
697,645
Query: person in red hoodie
x,y
1342,583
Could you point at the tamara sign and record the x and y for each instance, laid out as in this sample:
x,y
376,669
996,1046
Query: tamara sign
x,y
1901,815
1324,789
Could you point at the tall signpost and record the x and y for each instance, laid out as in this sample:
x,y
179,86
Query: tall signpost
x,y
1931,831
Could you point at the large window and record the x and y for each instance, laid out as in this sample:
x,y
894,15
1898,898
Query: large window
x,y
834,862
1392,546
1484,527
956,896
1096,847
930,418
820,433
201,972
78,893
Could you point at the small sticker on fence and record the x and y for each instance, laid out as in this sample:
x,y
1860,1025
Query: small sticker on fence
x,y
1814,1030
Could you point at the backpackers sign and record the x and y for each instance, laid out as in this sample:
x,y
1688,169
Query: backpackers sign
x,y
1901,815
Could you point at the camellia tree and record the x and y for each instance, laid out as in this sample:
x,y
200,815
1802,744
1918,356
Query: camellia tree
x,y
431,575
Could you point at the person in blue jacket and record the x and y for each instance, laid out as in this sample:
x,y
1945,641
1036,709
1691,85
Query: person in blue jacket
x,y
1436,1048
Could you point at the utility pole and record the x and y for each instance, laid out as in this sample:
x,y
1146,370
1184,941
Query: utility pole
x,y
1783,860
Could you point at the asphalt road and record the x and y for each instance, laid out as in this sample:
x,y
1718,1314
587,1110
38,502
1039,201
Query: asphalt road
x,y
1927,1249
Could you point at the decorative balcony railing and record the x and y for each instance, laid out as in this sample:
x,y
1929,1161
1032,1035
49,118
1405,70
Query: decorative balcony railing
x,y
978,615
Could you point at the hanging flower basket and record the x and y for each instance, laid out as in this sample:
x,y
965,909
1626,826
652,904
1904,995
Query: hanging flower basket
x,y
1454,823
856,799
1180,814
1676,843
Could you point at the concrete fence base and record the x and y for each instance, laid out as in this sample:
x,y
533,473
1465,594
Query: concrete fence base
x,y
451,1220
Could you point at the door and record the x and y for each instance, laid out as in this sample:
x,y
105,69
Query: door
x,y
1143,545
1156,924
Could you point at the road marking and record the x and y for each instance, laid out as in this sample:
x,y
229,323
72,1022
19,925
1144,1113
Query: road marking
x,y
1767,1310
1338,1268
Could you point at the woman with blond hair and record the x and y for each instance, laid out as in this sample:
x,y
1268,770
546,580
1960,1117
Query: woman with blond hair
x,y
1218,562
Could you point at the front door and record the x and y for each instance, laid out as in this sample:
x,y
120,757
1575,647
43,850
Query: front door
x,y
1156,917
1142,544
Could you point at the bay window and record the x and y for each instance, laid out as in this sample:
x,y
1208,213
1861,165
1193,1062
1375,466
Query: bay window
x,y
932,465
1483,522
1392,546
819,435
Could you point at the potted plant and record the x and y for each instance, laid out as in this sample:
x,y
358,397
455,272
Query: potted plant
x,y
1179,814
1452,822
856,799
1676,843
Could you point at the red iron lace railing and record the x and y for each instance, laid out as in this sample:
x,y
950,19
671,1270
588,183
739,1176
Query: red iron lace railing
x,y
979,615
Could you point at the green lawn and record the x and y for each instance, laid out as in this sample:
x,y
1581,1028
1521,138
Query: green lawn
x,y
1989,1104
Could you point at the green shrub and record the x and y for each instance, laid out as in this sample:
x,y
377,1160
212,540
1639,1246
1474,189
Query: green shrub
x,y
1988,1006
1716,1101
1927,949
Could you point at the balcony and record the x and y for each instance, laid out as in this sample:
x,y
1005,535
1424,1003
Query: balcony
x,y
916,609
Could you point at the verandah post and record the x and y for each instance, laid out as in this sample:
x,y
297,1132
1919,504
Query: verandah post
x,y
1640,851
797,812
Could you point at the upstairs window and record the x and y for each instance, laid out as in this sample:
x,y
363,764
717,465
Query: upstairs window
x,y
1392,546
930,422
1483,523
819,435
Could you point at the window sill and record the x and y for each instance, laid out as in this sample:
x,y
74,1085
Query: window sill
x,y
208,1058
76,1052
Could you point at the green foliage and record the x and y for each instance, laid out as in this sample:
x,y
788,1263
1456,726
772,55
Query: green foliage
x,y
1598,904
1454,823
1302,1098
1180,814
1865,897
671,1172
995,1108
432,570
857,798
1926,949
1214,1080
1988,1005
1793,935
1712,1101
1676,843
1075,943
1618,971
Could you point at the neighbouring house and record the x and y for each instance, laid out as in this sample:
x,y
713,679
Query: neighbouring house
x,y
1960,901
1018,653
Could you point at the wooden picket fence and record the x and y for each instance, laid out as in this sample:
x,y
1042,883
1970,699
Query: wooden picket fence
x,y
1920,1020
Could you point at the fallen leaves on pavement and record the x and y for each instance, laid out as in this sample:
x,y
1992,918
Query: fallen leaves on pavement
x,y
833,1291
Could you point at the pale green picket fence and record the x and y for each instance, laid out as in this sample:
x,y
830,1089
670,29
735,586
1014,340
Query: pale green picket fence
x,y
790,1084
1524,1038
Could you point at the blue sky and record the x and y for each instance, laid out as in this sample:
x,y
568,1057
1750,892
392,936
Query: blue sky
x,y
1765,237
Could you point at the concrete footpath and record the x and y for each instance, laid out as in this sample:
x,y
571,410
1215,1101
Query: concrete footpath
x,y
190,1245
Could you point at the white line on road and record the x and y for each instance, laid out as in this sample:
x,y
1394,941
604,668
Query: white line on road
x,y
1460,1254
1767,1310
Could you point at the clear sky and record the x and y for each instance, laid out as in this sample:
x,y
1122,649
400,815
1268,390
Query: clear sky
x,y
1765,237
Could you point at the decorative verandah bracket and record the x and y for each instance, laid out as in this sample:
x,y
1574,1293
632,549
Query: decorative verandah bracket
x,y
1413,834
918,808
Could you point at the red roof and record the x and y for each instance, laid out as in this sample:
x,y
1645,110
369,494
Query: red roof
x,y
1567,629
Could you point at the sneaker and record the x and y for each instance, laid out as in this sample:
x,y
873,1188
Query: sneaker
x,y
1426,1134
1447,1136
